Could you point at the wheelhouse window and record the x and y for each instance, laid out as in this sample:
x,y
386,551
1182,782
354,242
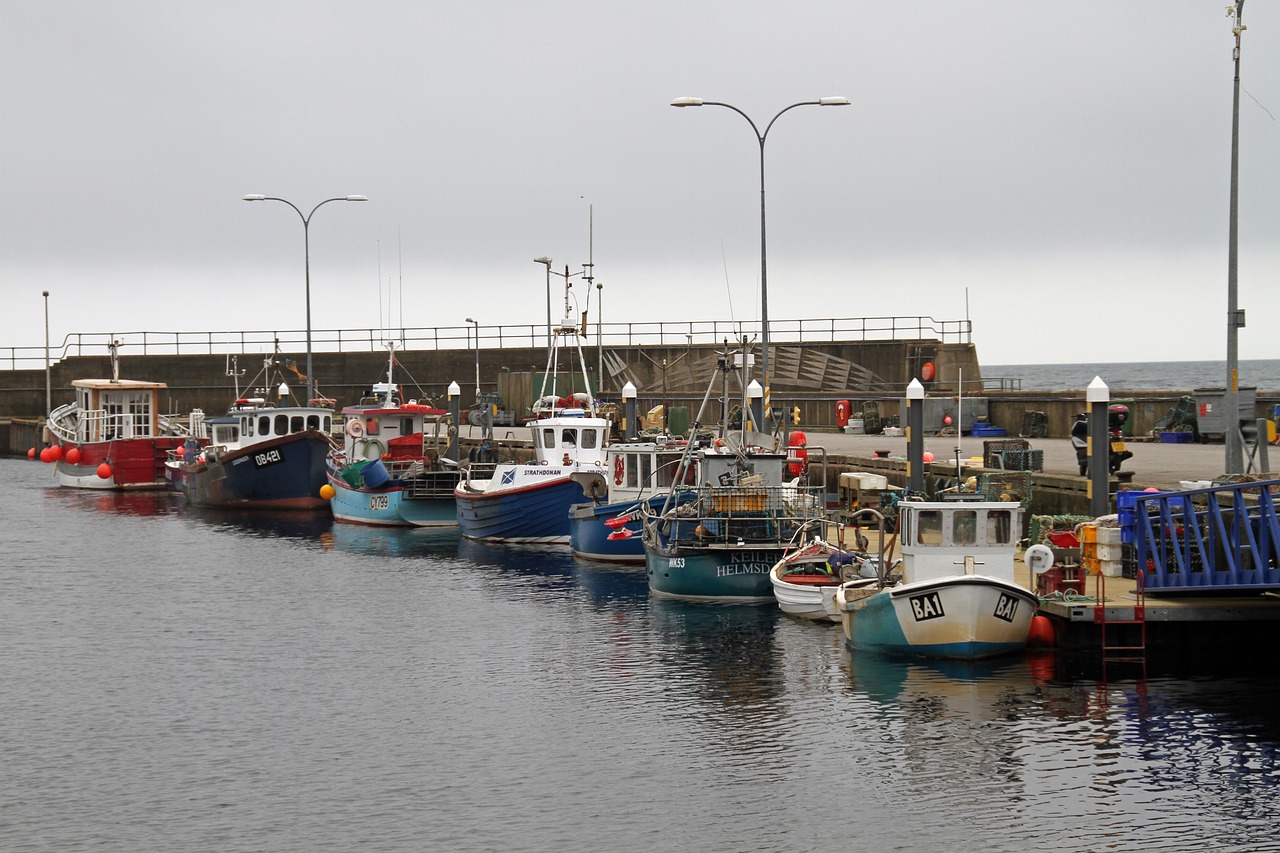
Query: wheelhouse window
x,y
590,439
313,422
246,426
282,425
264,425
964,527
928,527
226,434
549,438
372,426
999,527
296,423
569,438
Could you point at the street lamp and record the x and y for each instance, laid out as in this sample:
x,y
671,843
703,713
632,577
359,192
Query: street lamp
x,y
764,267
477,325
546,262
1235,315
306,239
48,382
599,337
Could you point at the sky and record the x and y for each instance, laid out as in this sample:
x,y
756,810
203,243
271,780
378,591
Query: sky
x,y
1058,173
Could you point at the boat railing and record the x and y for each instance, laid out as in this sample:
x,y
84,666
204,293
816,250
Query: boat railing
x,y
729,515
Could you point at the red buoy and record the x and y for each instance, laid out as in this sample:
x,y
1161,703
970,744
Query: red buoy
x,y
926,371
104,471
55,452
797,455
1040,635
46,455
73,456
31,453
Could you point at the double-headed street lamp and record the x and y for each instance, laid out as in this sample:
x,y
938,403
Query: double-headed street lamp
x,y
306,223
764,267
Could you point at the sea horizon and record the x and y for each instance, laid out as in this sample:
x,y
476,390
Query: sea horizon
x,y
1261,374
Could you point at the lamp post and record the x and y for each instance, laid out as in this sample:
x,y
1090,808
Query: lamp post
x,y
599,337
1233,464
476,323
546,262
764,266
306,241
48,382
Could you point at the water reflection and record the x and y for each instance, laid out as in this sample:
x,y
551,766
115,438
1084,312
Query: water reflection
x,y
371,541
138,504
264,524
725,653
612,584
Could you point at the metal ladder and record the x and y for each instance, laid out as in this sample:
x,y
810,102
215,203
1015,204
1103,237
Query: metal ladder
x,y
1114,650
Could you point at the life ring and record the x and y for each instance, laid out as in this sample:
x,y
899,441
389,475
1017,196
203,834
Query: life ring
x,y
355,428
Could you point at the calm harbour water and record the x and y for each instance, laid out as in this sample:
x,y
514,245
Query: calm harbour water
x,y
185,680
1263,374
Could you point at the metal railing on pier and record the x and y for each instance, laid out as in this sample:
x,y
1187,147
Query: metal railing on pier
x,y
682,333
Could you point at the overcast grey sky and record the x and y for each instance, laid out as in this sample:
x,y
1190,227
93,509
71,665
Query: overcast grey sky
x,y
1059,171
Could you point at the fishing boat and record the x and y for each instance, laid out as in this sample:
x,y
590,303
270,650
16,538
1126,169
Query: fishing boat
x,y
607,526
113,435
391,469
736,505
954,595
263,454
719,539
529,502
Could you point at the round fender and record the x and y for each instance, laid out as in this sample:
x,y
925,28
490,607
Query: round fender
x,y
1038,558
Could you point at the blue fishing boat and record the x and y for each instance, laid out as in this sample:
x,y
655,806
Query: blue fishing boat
x,y
608,526
955,596
391,469
529,502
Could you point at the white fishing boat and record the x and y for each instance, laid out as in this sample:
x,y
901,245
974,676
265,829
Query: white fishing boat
x,y
955,595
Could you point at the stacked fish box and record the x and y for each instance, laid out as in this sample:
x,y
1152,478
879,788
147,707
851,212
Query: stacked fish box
x,y
1101,550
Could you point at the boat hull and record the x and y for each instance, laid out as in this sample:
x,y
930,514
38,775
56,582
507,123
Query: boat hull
x,y
537,512
713,573
966,617
813,600
390,507
279,473
589,536
136,463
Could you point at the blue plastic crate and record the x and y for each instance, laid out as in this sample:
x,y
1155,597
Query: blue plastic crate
x,y
1176,437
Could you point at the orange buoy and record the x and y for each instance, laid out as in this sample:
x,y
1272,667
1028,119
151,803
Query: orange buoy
x,y
31,454
55,452
73,456
179,451
1040,635
928,457
46,455
327,492
926,371
104,471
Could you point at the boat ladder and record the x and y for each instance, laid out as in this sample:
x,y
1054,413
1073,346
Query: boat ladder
x,y
1129,645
